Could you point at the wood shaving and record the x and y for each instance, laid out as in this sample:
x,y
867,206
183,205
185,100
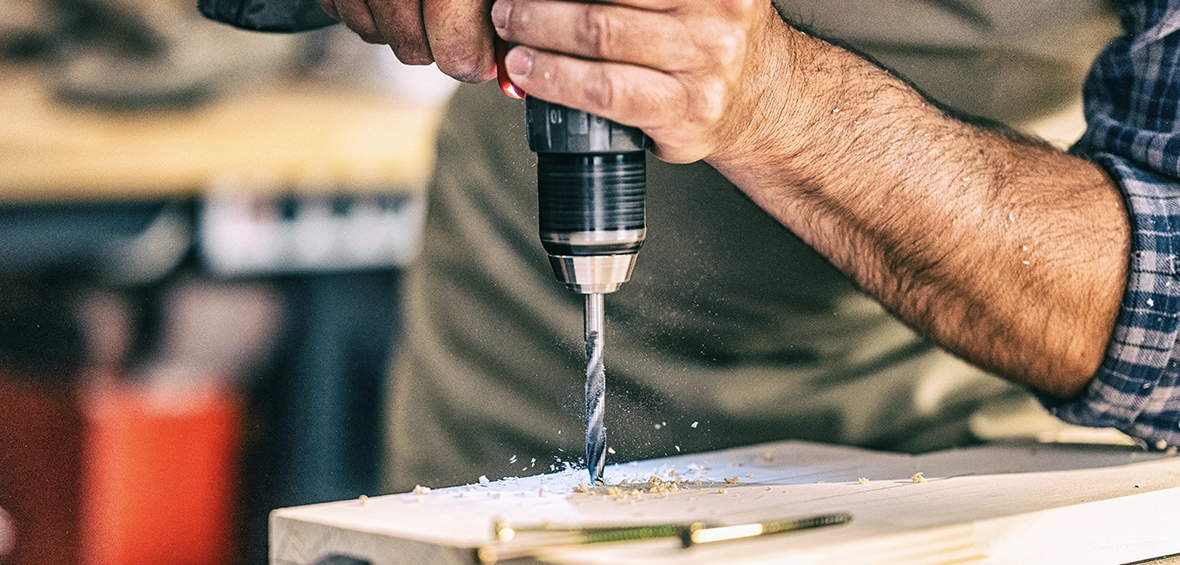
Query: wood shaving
x,y
663,488
862,481
720,491
654,486
918,478
733,481
419,489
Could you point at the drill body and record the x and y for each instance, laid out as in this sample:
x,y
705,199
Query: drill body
x,y
591,188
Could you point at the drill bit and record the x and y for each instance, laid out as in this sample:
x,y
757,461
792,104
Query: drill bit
x,y
595,388
591,211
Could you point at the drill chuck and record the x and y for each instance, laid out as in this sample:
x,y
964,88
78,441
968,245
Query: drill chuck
x,y
591,186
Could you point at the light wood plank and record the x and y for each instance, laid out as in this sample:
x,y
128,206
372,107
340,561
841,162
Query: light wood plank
x,y
995,504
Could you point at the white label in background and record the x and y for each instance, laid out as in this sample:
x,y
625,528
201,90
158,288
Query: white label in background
x,y
242,234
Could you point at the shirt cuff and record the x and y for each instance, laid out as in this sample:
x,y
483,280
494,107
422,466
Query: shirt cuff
x,y
1136,389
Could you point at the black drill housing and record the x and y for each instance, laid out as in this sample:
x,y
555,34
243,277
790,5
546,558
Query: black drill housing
x,y
591,181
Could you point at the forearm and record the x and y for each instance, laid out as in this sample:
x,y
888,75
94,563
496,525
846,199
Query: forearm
x,y
1008,253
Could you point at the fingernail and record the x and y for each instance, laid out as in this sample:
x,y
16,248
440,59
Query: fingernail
x,y
501,11
519,61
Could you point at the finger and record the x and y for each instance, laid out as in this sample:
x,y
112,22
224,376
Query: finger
x,y
356,15
460,35
630,94
606,32
401,25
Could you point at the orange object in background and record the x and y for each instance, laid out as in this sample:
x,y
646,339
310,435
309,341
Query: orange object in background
x,y
160,476
133,475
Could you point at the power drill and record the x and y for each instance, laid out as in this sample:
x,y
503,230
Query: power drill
x,y
591,188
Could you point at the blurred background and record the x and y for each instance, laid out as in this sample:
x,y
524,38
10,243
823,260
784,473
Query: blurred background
x,y
201,237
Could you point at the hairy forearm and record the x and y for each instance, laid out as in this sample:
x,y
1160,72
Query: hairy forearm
x,y
1011,254
1006,252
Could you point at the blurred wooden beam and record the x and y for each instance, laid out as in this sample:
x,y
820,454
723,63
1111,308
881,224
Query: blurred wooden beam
x,y
300,136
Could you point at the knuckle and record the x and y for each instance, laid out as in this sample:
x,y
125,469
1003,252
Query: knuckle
x,y
412,52
596,31
721,46
739,6
602,91
708,105
466,65
728,48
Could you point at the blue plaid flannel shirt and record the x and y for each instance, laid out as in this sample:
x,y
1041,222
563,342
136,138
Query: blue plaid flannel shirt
x,y
1133,113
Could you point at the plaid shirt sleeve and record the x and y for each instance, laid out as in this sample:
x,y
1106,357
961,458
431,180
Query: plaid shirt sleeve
x,y
1133,113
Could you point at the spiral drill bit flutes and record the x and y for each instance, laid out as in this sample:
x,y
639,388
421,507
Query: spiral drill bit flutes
x,y
595,388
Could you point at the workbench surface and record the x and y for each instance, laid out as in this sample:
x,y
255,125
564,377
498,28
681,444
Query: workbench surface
x,y
294,135
992,504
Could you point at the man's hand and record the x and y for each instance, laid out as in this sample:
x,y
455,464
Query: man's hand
x,y
687,72
1004,251
455,34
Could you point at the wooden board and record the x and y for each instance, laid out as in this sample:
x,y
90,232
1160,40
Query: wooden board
x,y
994,504
295,136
